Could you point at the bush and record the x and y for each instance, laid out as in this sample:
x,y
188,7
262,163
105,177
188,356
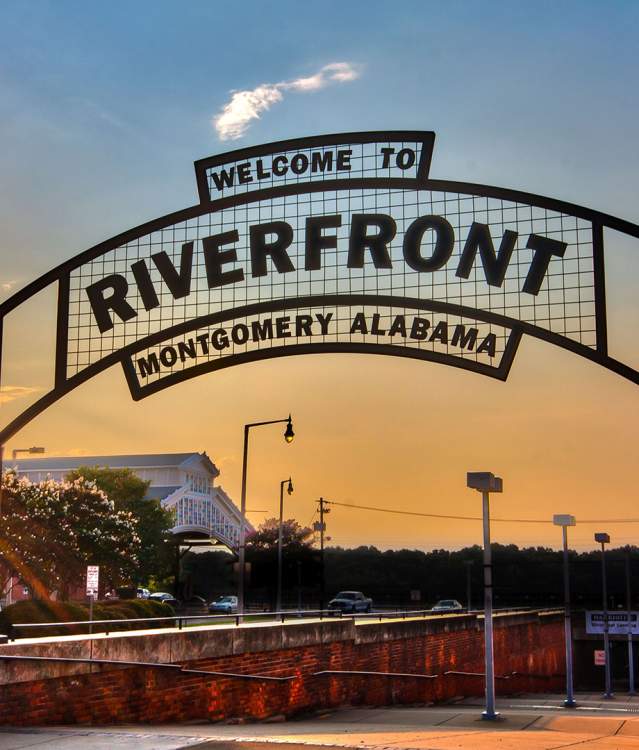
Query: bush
x,y
33,611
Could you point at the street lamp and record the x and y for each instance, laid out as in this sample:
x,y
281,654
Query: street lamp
x,y
288,437
603,539
289,490
486,482
565,521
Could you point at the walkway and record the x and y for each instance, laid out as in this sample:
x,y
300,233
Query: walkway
x,y
529,723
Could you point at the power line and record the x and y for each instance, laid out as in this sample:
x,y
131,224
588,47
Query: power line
x,y
473,518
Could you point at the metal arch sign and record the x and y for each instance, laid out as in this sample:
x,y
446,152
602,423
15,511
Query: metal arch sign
x,y
338,243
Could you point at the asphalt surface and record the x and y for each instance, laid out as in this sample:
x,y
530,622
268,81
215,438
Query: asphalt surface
x,y
527,723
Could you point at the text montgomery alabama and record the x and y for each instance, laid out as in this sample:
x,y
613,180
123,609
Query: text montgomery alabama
x,y
401,329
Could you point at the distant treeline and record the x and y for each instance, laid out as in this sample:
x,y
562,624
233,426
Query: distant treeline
x,y
530,576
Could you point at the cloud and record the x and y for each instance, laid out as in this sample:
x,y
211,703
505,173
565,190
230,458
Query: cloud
x,y
8,286
244,106
13,392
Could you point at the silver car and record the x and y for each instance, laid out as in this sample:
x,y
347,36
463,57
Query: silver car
x,y
223,604
447,605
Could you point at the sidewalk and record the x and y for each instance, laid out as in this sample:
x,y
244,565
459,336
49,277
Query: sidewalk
x,y
534,722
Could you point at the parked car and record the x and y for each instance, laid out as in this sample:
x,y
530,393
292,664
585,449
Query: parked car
x,y
162,596
349,602
143,593
447,605
223,604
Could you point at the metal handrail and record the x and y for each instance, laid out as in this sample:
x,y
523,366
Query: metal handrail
x,y
146,664
180,620
350,672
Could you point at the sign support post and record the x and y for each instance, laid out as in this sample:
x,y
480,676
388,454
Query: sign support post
x,y
631,656
603,539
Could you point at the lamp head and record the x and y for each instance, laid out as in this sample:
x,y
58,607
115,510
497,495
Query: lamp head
x,y
289,489
564,520
288,433
483,481
602,537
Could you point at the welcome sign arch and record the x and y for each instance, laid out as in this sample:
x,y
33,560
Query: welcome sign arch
x,y
337,243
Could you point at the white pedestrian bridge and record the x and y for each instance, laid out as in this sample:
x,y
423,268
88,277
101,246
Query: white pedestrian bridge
x,y
183,482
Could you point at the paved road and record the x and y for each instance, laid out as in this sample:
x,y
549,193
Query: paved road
x,y
530,723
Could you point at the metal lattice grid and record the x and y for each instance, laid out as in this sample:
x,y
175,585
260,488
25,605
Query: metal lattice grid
x,y
565,304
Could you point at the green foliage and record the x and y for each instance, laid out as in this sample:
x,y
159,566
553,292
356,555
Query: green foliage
x,y
128,492
50,531
38,610
294,536
530,576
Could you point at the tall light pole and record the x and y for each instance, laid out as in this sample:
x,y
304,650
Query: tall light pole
x,y
288,436
486,482
631,656
289,490
603,539
321,527
565,521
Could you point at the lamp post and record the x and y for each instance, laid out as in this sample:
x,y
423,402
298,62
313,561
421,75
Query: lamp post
x,y
289,490
603,539
631,656
565,521
486,482
288,436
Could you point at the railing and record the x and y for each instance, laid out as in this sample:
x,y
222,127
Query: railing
x,y
180,621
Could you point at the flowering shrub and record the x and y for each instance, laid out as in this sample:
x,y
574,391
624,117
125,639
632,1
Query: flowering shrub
x,y
50,611
50,531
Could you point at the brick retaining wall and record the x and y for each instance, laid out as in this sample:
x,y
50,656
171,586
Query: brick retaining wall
x,y
41,693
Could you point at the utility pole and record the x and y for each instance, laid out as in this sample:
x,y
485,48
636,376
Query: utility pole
x,y
321,527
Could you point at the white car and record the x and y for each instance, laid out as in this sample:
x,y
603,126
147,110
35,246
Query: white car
x,y
447,605
143,593
223,604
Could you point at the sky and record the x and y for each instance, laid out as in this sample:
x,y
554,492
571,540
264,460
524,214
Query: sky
x,y
104,108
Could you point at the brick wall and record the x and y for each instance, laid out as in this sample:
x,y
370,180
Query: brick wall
x,y
40,693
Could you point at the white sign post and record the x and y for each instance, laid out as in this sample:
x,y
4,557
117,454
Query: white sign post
x,y
93,582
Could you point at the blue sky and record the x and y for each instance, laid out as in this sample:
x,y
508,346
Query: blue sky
x,y
99,98
105,106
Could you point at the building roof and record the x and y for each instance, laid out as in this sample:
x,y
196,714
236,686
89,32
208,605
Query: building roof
x,y
134,461
159,493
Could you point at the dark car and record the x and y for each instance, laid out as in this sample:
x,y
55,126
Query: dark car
x,y
165,598
350,602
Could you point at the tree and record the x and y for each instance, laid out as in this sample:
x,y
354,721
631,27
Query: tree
x,y
261,552
294,536
129,494
50,531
